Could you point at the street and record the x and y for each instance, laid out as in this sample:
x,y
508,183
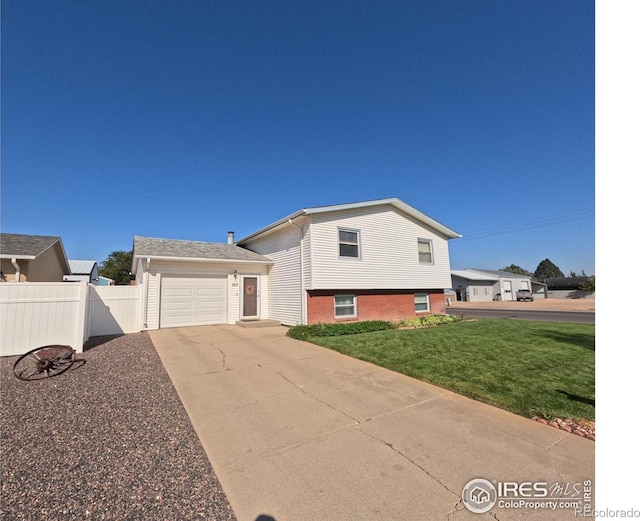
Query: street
x,y
576,317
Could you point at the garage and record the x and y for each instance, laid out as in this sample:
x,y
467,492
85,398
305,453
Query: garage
x,y
192,283
193,301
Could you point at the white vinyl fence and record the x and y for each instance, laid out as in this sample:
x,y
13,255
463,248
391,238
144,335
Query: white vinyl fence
x,y
33,314
114,310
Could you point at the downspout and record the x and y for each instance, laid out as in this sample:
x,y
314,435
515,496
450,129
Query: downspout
x,y
17,267
302,294
145,280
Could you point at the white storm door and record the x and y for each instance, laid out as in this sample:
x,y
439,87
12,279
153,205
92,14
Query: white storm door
x,y
250,297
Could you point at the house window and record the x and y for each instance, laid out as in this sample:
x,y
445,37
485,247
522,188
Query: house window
x,y
425,251
345,306
421,301
349,243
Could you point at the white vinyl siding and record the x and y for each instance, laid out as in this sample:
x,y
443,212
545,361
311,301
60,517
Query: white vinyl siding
x,y
285,285
151,318
389,259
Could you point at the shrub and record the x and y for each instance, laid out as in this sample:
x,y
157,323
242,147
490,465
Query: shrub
x,y
589,285
429,320
347,328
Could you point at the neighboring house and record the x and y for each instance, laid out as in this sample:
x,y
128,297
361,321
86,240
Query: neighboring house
x,y
475,285
105,281
189,283
83,271
378,259
32,258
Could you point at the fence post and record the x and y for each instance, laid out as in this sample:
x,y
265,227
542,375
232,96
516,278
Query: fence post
x,y
82,316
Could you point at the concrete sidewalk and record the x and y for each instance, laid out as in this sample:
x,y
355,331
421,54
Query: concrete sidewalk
x,y
301,433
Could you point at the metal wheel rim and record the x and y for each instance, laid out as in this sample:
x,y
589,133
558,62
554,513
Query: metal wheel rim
x,y
44,362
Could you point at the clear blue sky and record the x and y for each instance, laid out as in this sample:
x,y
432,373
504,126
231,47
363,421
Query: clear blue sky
x,y
187,119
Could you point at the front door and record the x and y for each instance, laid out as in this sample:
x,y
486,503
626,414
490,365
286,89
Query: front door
x,y
249,297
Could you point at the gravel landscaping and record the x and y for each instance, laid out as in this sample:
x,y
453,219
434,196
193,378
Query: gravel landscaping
x,y
107,440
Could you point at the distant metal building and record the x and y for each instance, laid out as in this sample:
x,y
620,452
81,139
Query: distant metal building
x,y
476,285
83,271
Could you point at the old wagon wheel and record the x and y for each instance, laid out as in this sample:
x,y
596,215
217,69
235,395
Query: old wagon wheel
x,y
44,362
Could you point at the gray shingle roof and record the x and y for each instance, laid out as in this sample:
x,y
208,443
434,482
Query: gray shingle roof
x,y
151,247
22,246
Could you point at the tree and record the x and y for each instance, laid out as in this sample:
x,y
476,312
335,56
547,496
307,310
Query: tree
x,y
517,269
589,285
574,274
117,266
547,270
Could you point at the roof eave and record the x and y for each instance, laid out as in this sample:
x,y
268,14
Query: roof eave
x,y
20,257
394,201
197,259
271,226
64,256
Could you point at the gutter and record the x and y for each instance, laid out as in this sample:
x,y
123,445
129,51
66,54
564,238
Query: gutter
x,y
200,259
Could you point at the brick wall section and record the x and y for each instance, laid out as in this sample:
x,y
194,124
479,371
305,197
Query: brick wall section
x,y
392,305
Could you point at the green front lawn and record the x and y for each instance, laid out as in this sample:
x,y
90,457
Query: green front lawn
x,y
542,369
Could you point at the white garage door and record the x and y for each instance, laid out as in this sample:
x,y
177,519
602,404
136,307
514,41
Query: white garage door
x,y
193,301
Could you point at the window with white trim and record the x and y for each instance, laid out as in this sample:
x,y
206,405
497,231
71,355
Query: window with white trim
x,y
421,302
345,306
349,243
425,251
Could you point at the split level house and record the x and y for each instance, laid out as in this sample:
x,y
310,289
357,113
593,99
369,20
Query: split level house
x,y
372,260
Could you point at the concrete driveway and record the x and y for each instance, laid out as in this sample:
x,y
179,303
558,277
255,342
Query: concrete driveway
x,y
301,433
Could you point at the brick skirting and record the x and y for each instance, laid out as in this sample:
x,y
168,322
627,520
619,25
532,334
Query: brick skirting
x,y
391,305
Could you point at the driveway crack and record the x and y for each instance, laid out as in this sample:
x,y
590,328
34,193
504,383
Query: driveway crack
x,y
224,358
310,395
413,462
456,508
